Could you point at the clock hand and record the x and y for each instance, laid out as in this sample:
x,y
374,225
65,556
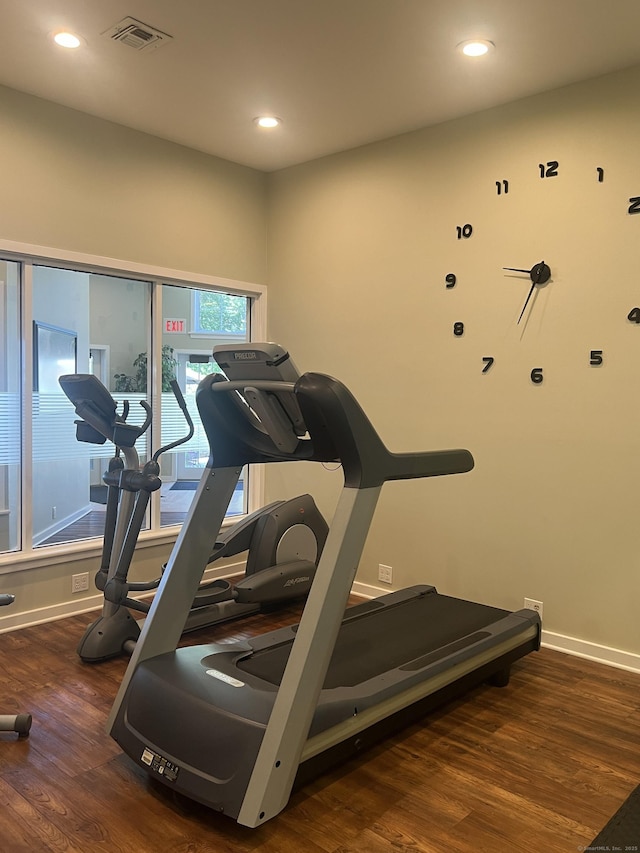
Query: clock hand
x,y
540,273
533,287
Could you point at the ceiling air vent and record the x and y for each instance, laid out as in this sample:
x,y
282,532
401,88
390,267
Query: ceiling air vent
x,y
137,35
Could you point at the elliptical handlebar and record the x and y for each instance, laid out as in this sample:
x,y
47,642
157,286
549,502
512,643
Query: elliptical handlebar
x,y
177,393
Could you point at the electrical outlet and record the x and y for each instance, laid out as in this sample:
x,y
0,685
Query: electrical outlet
x,y
54,512
532,604
80,583
385,574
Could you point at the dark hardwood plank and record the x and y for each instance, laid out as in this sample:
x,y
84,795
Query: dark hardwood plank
x,y
539,765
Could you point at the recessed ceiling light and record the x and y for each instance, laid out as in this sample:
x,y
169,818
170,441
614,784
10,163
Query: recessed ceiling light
x,y
268,121
66,39
476,47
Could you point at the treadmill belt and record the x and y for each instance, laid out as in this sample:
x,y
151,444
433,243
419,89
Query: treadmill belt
x,y
394,636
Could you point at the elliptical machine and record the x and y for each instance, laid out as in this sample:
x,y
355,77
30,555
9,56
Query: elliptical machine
x,y
284,539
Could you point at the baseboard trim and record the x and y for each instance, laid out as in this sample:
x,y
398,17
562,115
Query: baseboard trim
x,y
41,615
369,591
592,651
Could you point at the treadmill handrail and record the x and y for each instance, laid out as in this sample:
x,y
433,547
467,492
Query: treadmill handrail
x,y
338,430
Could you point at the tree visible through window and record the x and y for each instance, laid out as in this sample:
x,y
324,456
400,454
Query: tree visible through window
x,y
219,313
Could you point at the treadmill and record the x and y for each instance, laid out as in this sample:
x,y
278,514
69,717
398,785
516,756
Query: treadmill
x,y
236,726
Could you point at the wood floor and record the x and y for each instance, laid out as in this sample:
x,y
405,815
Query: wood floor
x,y
537,766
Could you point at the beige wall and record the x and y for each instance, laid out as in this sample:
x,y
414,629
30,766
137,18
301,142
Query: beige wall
x,y
80,183
77,183
359,245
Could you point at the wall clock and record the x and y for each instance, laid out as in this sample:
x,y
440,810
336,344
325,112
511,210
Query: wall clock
x,y
545,266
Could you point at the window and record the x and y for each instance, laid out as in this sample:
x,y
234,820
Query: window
x,y
189,357
10,408
220,314
123,330
68,498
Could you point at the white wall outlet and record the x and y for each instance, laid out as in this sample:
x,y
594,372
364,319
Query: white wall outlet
x,y
54,512
532,604
80,583
385,574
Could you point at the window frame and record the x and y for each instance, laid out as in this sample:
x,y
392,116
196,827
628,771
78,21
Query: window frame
x,y
30,256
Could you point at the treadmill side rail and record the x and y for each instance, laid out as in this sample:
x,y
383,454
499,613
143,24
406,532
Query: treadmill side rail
x,y
396,702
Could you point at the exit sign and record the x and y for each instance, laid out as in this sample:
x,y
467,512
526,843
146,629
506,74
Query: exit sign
x,y
175,327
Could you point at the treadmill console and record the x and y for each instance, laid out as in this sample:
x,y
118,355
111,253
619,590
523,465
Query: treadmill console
x,y
256,371
256,361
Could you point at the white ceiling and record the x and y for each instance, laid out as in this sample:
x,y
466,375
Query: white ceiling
x,y
340,73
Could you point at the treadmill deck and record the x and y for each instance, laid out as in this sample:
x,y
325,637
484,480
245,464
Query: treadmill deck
x,y
391,653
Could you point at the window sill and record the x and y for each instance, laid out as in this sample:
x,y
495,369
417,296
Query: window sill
x,y
71,552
